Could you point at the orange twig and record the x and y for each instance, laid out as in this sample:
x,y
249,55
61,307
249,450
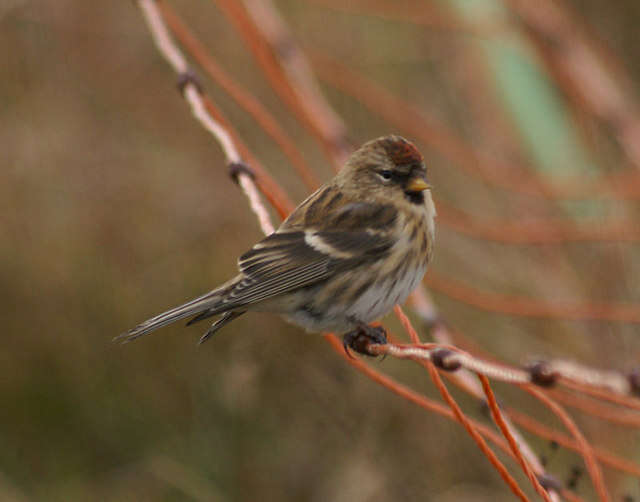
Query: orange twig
x,y
425,15
243,97
466,423
430,405
595,408
606,457
406,324
506,432
254,40
298,71
446,395
411,396
604,394
426,310
585,449
268,186
529,307
205,112
535,231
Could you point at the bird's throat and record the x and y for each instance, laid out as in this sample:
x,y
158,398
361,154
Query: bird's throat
x,y
416,198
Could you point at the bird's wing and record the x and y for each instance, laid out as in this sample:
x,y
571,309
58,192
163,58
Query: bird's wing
x,y
289,260
326,234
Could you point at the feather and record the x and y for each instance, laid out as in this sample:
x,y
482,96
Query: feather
x,y
286,261
191,308
226,318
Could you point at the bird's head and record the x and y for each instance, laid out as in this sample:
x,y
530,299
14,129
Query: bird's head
x,y
391,167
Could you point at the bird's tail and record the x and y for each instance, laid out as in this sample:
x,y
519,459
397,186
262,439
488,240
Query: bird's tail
x,y
204,306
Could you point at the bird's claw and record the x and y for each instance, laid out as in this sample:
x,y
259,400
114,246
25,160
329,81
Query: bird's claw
x,y
362,337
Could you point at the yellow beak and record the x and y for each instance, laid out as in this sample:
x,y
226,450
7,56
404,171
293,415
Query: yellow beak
x,y
417,185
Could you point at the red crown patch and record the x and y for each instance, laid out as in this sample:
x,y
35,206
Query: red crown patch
x,y
401,151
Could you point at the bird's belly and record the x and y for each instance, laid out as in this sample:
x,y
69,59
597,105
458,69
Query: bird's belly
x,y
381,297
332,308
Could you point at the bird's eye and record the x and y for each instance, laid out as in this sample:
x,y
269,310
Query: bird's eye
x,y
386,174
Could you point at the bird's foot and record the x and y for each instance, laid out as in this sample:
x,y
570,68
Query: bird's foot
x,y
361,338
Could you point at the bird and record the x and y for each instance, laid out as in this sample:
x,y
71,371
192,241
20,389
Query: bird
x,y
342,259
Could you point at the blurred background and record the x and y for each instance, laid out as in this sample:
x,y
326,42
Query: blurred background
x,y
115,205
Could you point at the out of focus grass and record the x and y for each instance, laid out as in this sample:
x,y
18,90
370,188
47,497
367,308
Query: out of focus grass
x,y
114,205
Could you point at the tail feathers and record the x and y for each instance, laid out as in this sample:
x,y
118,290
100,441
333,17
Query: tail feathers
x,y
202,316
209,304
227,317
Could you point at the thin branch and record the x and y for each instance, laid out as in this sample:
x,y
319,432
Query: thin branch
x,y
193,95
585,448
506,432
468,425
294,62
531,307
594,408
427,404
242,96
425,308
603,94
606,457
258,46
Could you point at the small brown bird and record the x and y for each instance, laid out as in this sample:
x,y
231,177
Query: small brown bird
x,y
342,259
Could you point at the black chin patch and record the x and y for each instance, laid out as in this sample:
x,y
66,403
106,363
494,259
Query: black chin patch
x,y
415,197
